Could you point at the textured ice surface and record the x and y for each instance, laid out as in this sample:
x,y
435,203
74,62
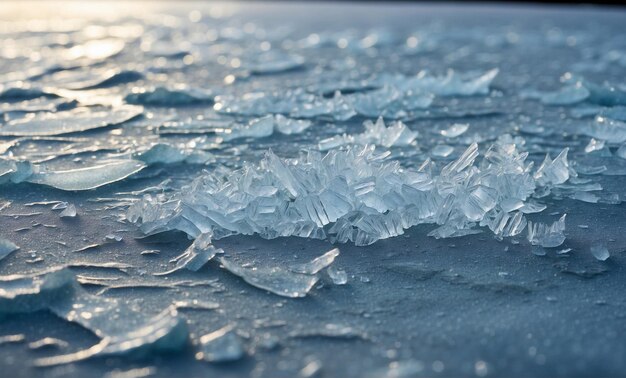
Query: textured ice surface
x,y
497,122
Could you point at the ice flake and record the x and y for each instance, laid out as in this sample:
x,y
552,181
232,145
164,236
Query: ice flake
x,y
222,345
69,121
594,145
196,256
600,252
396,134
455,130
338,276
88,177
6,248
317,264
161,96
442,150
553,172
568,95
69,212
540,234
275,280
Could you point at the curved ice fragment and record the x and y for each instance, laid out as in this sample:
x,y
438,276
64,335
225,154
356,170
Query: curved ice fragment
x,y
6,247
88,177
161,96
568,95
196,256
317,264
109,79
69,121
275,280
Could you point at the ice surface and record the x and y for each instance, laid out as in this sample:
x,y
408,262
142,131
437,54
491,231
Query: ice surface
x,y
222,345
88,177
600,252
70,121
396,134
6,247
276,280
544,235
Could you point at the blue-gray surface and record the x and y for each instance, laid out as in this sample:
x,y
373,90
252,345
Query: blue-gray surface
x,y
413,305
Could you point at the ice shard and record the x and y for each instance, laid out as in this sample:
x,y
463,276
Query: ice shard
x,y
550,236
222,345
196,256
87,178
396,134
69,121
275,280
317,264
6,248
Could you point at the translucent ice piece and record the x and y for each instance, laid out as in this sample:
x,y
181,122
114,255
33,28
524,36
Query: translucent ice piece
x,y
317,264
442,150
161,96
396,134
6,247
89,177
257,128
274,62
222,345
122,330
545,235
196,256
553,172
69,212
600,252
106,80
338,276
14,171
606,129
275,280
568,95
290,126
69,121
455,130
594,145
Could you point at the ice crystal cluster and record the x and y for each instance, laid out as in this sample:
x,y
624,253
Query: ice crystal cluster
x,y
356,194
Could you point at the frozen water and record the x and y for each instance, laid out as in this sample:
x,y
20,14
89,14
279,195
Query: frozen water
x,y
600,252
275,280
338,276
68,212
317,264
6,247
396,134
161,96
541,234
70,121
455,130
196,256
89,177
222,345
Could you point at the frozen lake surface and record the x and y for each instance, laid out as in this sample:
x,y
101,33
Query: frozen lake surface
x,y
281,190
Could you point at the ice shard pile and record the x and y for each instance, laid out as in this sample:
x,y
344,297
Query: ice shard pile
x,y
358,195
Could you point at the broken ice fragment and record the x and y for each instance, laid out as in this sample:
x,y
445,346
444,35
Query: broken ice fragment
x,y
594,145
553,172
89,177
317,264
290,126
273,62
161,96
547,236
442,150
222,345
568,95
338,276
196,256
455,130
69,121
122,330
69,212
48,342
6,247
396,134
600,252
275,280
